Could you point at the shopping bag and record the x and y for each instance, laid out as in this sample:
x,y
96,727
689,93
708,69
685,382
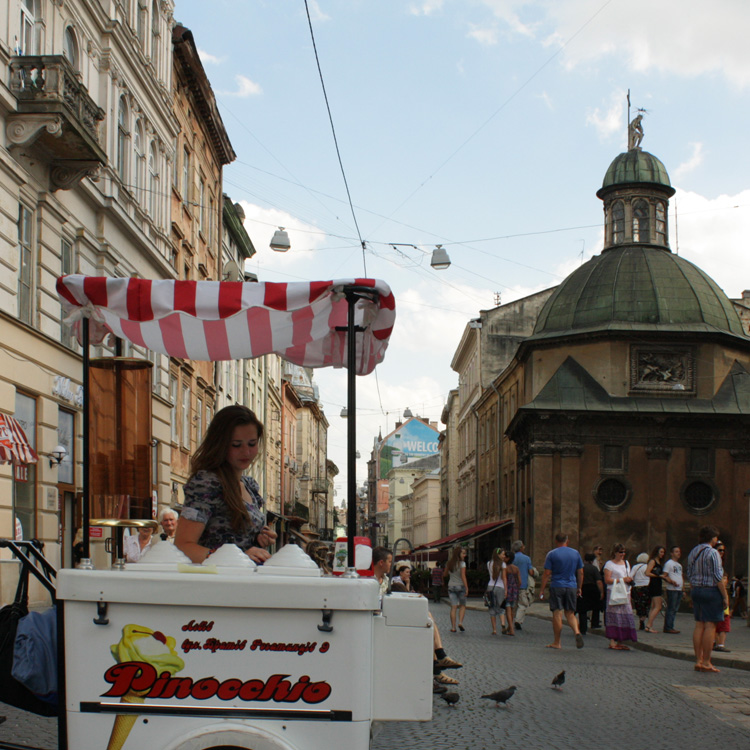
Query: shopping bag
x,y
619,594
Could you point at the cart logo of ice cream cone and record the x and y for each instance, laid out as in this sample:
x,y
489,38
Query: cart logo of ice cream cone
x,y
141,644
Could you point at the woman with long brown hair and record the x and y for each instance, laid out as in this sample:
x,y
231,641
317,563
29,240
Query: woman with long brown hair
x,y
455,571
496,588
655,576
222,504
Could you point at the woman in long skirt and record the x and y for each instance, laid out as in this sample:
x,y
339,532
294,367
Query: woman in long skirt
x,y
619,617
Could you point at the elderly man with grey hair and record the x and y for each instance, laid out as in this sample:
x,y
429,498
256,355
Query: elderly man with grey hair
x,y
526,591
168,520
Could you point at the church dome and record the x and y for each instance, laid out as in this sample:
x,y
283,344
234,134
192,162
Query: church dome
x,y
636,167
636,287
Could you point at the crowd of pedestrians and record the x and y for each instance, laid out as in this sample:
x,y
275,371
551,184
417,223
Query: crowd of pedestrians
x,y
583,590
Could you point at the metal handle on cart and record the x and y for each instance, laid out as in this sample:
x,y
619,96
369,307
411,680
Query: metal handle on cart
x,y
101,614
325,626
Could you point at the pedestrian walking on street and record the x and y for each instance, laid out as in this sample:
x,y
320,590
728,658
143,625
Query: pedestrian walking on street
x,y
512,587
592,592
563,569
739,602
528,584
639,595
709,595
457,586
598,551
437,583
655,573
725,625
618,618
673,584
496,587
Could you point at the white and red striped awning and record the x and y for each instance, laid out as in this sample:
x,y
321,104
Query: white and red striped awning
x,y
219,320
14,445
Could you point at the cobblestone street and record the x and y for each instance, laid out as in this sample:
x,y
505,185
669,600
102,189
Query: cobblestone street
x,y
636,698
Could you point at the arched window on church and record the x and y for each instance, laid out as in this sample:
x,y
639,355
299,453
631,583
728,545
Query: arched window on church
x,y
618,223
640,221
661,223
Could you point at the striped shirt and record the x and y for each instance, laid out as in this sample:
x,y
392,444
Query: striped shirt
x,y
704,566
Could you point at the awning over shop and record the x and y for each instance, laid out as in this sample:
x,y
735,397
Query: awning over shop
x,y
14,445
466,535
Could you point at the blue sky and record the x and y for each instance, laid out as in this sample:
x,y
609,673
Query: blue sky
x,y
482,125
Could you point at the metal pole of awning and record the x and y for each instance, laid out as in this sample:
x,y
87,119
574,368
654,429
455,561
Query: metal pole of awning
x,y
353,295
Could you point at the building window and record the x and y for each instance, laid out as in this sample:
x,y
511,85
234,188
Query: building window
x,y
27,42
618,223
25,277
613,458
640,221
155,36
185,176
70,47
613,493
186,415
211,211
202,205
153,183
67,266
699,496
66,421
139,152
199,420
122,138
24,475
700,461
661,223
173,414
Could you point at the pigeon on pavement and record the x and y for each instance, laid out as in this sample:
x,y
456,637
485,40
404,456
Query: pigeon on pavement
x,y
501,696
450,698
558,681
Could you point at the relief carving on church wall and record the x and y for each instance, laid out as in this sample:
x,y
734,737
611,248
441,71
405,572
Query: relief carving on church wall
x,y
662,370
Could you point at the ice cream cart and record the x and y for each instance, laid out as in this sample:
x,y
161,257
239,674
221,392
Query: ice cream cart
x,y
171,655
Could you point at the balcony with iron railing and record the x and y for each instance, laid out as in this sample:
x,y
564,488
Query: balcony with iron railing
x,y
56,116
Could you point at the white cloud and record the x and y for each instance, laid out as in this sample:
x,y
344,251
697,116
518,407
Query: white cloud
x,y
611,120
683,37
695,160
426,8
713,234
486,35
208,58
505,11
245,88
547,99
316,14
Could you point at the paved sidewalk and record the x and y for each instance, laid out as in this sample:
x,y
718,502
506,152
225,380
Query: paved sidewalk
x,y
675,646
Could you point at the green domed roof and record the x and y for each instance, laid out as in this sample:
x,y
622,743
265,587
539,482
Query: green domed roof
x,y
637,287
636,166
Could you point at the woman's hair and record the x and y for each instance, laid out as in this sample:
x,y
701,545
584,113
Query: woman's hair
x,y
642,558
497,562
615,549
510,557
454,559
655,551
211,455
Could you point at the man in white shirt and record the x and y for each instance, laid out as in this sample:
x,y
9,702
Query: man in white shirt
x,y
673,580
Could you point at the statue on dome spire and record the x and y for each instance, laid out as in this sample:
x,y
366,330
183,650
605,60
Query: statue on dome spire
x,y
635,131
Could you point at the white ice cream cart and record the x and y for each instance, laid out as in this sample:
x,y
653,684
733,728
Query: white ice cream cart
x,y
169,655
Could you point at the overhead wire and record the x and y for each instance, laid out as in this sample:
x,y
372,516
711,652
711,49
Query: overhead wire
x,y
498,110
335,139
